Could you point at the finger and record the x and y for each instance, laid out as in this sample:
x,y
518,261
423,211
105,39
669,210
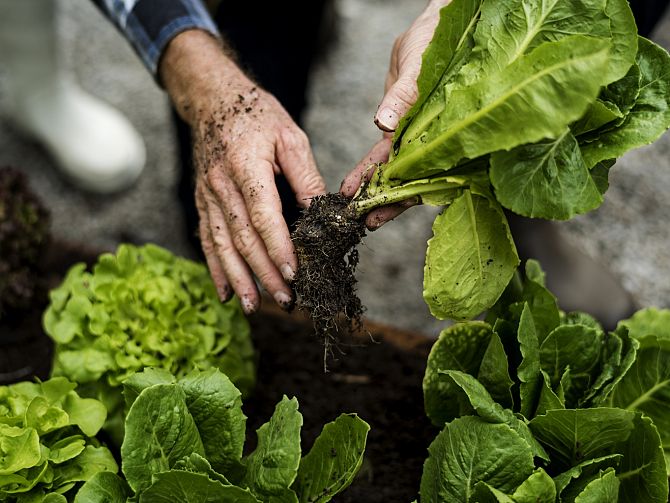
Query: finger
x,y
264,212
250,246
396,102
294,155
214,265
234,267
379,216
362,172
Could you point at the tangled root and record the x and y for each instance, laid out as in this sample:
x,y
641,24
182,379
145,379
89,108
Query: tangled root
x,y
325,239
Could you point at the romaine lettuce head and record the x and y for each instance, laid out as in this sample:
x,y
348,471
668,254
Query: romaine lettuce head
x,y
143,307
46,444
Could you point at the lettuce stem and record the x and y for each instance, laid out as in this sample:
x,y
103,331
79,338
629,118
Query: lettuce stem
x,y
384,195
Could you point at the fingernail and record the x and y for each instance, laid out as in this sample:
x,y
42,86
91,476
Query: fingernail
x,y
247,305
284,300
287,272
386,119
224,294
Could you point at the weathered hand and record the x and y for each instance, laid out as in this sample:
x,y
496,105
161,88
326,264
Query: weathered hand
x,y
242,139
400,93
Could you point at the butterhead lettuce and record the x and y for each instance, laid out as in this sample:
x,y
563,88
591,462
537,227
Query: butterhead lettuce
x,y
143,307
46,441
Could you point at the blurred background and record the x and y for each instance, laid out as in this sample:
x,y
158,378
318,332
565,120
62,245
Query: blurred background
x,y
629,234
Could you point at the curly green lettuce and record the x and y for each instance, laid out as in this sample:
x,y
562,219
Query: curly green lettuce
x,y
47,449
143,307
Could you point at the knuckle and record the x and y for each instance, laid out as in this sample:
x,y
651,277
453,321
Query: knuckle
x,y
406,91
263,222
244,241
294,138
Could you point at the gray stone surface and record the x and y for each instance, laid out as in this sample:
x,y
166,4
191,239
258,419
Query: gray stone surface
x,y
630,233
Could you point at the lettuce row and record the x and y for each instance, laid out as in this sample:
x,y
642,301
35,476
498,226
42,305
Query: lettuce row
x,y
184,441
143,307
542,406
525,106
47,444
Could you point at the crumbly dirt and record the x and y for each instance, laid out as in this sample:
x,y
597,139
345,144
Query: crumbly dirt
x,y
375,379
25,350
325,238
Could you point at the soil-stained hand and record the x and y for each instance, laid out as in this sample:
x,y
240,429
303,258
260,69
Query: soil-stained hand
x,y
400,93
242,138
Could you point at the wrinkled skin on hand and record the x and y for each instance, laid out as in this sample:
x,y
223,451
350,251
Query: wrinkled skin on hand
x,y
239,149
242,138
400,93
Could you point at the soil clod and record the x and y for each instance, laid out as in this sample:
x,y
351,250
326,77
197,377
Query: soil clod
x,y
325,237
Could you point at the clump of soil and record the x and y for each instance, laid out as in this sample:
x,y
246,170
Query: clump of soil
x,y
325,238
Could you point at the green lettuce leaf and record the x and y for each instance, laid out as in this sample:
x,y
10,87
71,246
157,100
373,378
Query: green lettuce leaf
x,y
546,89
159,432
469,450
216,407
574,435
605,487
470,259
332,463
494,372
549,179
273,466
647,119
103,487
649,321
459,347
646,386
189,487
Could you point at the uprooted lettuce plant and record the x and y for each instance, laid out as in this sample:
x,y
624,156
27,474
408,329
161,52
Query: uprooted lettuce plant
x,y
143,307
184,441
542,406
522,105
47,444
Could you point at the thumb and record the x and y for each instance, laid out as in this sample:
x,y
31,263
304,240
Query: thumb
x,y
396,102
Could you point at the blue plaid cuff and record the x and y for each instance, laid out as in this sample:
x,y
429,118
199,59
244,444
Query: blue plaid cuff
x,y
149,25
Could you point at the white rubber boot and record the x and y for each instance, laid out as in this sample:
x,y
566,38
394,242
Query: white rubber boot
x,y
94,145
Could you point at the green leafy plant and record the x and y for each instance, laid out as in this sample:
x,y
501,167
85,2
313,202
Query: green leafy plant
x,y
47,444
521,105
24,233
184,441
542,406
143,307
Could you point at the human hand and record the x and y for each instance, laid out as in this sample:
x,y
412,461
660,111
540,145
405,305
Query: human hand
x,y
242,139
400,93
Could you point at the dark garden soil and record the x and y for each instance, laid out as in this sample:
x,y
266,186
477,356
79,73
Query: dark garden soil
x,y
380,381
25,351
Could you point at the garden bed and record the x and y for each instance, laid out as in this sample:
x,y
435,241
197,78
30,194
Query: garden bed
x,y
378,377
376,374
